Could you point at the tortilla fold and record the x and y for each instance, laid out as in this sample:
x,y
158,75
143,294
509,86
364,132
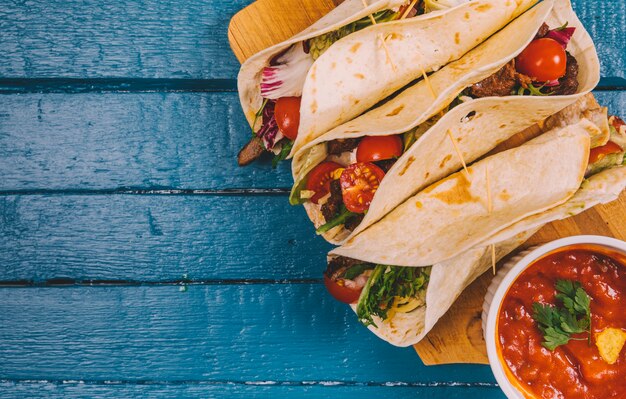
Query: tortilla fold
x,y
462,210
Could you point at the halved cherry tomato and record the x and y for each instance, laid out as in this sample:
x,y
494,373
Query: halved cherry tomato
x,y
378,148
598,153
319,179
287,114
340,292
543,60
359,183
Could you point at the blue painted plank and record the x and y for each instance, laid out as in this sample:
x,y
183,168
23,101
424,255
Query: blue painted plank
x,y
179,39
245,333
71,390
100,38
106,141
156,238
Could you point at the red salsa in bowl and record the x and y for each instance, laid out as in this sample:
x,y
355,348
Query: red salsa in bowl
x,y
561,325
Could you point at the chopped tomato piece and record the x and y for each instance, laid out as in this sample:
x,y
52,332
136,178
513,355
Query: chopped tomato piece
x,y
378,148
359,183
598,153
319,179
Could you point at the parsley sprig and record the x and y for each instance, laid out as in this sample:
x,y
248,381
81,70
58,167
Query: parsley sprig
x,y
559,323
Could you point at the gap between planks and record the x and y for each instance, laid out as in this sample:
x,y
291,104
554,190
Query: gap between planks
x,y
278,192
329,384
148,85
63,282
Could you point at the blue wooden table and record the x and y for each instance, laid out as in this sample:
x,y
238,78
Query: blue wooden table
x,y
136,258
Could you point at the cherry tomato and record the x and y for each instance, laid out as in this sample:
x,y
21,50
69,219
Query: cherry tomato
x,y
378,148
287,114
359,183
543,60
598,153
319,179
340,292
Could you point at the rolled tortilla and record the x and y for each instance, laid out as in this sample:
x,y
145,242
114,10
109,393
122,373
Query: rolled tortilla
x,y
249,78
470,124
369,65
462,210
448,279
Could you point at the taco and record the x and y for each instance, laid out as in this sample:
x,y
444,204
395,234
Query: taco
x,y
401,304
430,129
352,58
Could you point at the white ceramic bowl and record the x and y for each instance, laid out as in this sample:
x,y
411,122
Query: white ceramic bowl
x,y
505,278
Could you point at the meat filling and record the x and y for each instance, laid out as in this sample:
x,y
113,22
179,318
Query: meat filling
x,y
339,146
501,83
330,209
341,263
251,151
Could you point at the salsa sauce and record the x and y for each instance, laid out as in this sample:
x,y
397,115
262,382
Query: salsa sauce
x,y
574,370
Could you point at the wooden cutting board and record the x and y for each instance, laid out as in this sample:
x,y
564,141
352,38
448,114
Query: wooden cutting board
x,y
457,337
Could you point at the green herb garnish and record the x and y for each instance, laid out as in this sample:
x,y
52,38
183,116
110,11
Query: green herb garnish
x,y
257,115
357,270
531,90
284,151
340,219
559,323
384,285
562,27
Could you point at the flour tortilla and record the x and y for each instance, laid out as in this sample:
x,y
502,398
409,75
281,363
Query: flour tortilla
x,y
447,281
359,71
249,79
455,214
491,120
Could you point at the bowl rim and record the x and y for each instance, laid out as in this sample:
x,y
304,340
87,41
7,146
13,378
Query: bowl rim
x,y
511,275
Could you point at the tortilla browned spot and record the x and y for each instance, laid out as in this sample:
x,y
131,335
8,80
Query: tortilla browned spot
x,y
396,111
406,166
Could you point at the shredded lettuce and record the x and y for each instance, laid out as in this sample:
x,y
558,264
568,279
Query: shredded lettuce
x,y
319,44
385,285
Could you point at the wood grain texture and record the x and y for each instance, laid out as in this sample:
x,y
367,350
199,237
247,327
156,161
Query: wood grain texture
x,y
156,238
246,24
99,38
151,238
71,390
106,141
180,39
247,333
458,337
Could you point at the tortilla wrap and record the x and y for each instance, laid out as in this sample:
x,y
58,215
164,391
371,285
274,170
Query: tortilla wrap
x,y
447,281
472,123
462,210
360,70
249,78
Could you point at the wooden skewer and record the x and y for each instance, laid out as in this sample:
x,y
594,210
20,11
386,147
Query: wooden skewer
x,y
490,209
382,40
408,10
458,153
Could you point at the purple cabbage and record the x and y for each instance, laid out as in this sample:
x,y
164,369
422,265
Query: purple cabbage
x,y
562,36
269,132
